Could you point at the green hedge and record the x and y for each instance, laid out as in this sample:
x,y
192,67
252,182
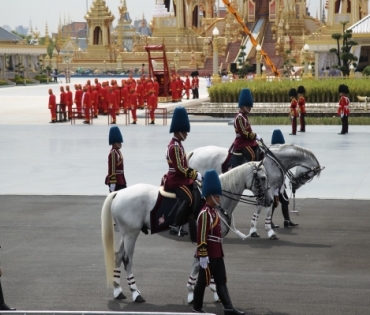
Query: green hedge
x,y
2,82
317,91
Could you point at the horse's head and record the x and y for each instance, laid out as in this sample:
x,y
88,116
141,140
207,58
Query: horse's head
x,y
260,186
304,174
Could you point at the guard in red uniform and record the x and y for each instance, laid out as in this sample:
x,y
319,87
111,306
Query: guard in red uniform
x,y
156,87
116,177
78,99
195,87
244,147
125,98
343,107
63,102
52,106
98,89
179,88
180,176
112,105
173,89
187,86
69,102
133,105
86,104
209,247
140,93
293,110
302,108
152,105
95,101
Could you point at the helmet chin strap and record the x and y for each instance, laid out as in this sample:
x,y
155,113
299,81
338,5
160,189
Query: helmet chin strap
x,y
182,136
217,203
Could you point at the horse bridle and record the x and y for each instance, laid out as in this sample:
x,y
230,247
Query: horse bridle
x,y
292,178
260,191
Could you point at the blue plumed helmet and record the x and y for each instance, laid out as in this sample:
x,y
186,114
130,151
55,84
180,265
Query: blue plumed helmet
x,y
211,184
115,135
277,137
180,120
245,98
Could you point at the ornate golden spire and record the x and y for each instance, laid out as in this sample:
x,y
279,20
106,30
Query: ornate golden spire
x,y
47,38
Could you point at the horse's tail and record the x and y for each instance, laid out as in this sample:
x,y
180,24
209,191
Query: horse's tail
x,y
108,237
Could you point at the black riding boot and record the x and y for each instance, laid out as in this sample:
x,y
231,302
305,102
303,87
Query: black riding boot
x,y
3,306
223,294
285,210
273,226
181,216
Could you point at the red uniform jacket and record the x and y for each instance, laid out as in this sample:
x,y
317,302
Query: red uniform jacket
x,y
98,88
152,101
117,92
52,102
78,97
149,86
116,173
69,98
244,134
195,83
209,239
173,87
94,98
124,97
63,98
86,100
156,88
302,105
293,108
179,86
187,83
179,173
140,90
103,92
133,100
112,100
343,106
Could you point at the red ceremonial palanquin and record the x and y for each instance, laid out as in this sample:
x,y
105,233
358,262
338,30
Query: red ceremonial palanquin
x,y
209,233
244,134
115,168
179,173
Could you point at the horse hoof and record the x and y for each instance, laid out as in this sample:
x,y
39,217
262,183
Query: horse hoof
x,y
255,234
139,299
274,237
120,296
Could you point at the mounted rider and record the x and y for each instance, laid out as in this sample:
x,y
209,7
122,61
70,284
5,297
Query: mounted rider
x,y
180,176
244,147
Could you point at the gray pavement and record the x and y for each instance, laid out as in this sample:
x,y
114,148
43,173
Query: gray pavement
x,y
52,189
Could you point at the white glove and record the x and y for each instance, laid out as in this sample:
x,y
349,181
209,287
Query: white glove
x,y
341,115
203,261
258,137
112,187
299,115
199,177
292,117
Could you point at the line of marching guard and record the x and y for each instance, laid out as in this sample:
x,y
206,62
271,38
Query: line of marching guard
x,y
108,98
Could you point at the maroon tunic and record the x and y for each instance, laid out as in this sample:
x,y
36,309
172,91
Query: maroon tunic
x,y
244,134
179,173
115,168
209,239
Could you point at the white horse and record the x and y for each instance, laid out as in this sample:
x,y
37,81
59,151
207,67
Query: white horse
x,y
278,160
130,210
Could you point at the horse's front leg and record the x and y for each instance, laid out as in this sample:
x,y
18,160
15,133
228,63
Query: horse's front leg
x,y
193,279
117,290
127,261
270,232
253,230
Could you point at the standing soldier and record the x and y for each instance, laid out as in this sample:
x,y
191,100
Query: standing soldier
x,y
187,86
140,93
133,105
95,101
179,88
98,89
209,250
180,176
86,104
244,147
343,107
152,105
173,89
117,92
104,98
52,106
195,87
69,102
156,87
63,102
293,110
116,177
302,108
112,104
125,97
78,99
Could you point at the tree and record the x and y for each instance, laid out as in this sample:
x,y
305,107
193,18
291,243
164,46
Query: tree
x,y
288,64
344,55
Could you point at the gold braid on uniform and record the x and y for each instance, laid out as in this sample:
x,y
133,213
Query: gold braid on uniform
x,y
191,173
247,134
202,247
113,177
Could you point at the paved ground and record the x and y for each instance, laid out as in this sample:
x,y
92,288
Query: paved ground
x,y
51,193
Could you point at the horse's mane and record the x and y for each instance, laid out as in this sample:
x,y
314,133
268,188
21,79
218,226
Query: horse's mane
x,y
306,153
228,181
